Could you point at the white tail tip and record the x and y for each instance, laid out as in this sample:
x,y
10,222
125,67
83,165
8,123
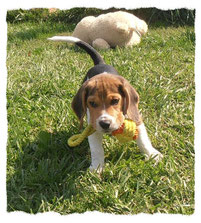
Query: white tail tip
x,y
69,39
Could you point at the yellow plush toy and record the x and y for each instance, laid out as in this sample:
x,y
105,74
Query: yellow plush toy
x,y
128,131
112,29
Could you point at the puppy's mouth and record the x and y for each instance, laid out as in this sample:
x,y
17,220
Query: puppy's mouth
x,y
106,126
109,130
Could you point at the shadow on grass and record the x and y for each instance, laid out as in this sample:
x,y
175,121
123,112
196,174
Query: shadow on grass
x,y
34,31
46,170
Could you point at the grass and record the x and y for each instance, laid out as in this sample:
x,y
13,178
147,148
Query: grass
x,y
44,174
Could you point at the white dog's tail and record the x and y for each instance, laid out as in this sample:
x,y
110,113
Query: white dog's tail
x,y
96,57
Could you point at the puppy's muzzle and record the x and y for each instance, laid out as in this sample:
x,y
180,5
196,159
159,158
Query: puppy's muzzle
x,y
105,124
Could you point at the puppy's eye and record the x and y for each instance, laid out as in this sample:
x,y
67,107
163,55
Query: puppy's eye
x,y
93,104
114,101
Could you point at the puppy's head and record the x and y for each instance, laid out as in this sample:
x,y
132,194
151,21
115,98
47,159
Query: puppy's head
x,y
108,99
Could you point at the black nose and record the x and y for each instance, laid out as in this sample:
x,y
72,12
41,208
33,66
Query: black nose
x,y
105,124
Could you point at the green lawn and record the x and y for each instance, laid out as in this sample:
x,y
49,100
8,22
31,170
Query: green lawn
x,y
44,174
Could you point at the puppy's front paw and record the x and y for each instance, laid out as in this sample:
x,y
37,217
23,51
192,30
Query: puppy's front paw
x,y
98,169
156,155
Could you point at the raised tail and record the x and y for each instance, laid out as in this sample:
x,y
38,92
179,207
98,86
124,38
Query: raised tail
x,y
95,56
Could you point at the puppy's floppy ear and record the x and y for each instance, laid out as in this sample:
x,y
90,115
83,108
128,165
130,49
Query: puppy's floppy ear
x,y
79,103
131,101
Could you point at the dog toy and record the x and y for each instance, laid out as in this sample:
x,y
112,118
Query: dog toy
x,y
75,140
128,131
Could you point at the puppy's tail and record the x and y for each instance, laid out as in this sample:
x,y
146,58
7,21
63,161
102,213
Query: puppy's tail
x,y
96,57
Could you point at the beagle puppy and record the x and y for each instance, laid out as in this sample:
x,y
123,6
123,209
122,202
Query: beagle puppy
x,y
107,98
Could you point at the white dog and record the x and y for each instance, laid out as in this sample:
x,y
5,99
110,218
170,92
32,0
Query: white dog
x,y
111,30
